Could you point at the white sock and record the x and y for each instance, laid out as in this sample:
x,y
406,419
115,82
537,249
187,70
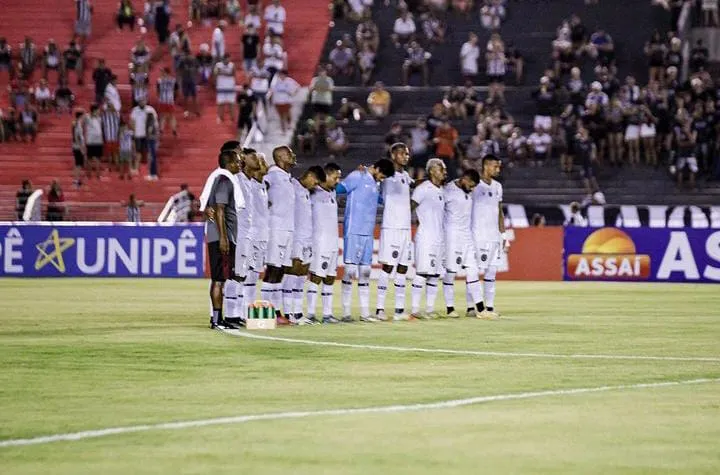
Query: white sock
x,y
249,292
416,293
240,303
400,280
312,295
351,272
364,291
286,285
230,298
449,289
489,288
298,291
266,291
382,285
431,287
327,299
276,296
474,289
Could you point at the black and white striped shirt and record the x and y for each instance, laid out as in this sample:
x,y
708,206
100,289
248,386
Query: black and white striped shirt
x,y
139,82
84,10
111,125
166,88
27,53
133,214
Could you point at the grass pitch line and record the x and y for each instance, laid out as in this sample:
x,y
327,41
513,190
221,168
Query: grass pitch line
x,y
254,336
91,434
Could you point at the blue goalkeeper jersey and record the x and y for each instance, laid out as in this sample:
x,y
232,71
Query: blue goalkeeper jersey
x,y
363,194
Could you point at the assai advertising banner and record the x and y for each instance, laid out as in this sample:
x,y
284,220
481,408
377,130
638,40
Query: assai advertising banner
x,y
642,254
101,250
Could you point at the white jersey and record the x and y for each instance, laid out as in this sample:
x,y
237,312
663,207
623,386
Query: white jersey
x,y
281,195
324,216
245,214
303,213
396,201
430,211
225,73
458,212
485,211
260,223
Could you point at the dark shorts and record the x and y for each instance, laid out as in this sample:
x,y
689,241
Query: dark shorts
x,y
141,145
321,109
222,266
79,158
245,123
189,89
496,78
95,151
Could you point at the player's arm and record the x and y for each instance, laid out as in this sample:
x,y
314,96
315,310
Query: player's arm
x,y
501,227
220,221
416,198
346,186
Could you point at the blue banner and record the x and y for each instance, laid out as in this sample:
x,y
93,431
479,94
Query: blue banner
x,y
101,250
642,254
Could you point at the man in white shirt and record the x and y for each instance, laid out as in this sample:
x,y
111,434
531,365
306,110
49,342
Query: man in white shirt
x,y
282,91
224,73
138,123
540,143
281,203
429,204
218,41
488,230
395,239
302,249
275,17
323,268
403,28
112,95
469,55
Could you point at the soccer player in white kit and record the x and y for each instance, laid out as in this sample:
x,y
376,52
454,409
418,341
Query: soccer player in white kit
x,y
395,239
323,268
459,244
281,202
429,204
488,229
259,231
302,251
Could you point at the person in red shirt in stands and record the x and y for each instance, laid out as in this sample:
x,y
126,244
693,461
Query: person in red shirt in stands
x,y
446,138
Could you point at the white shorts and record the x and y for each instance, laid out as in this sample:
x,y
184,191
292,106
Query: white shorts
x,y
488,254
242,257
303,250
225,98
324,260
632,132
280,247
395,247
256,255
647,131
459,254
428,256
542,121
690,162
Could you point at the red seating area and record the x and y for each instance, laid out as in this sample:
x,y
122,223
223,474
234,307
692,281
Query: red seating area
x,y
185,159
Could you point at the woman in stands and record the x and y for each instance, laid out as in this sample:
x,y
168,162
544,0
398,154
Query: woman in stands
x,y
616,126
56,200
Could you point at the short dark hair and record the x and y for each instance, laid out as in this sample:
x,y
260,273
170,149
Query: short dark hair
x,y
225,157
489,157
318,171
472,174
397,145
230,145
248,151
332,167
276,150
385,167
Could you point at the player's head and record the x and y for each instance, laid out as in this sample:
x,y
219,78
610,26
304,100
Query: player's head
x,y
382,169
490,166
436,170
312,177
469,180
262,166
230,145
230,161
400,154
284,157
332,176
251,160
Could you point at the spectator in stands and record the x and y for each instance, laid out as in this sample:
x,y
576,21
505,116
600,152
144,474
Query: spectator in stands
x,y
632,133
307,137
10,124
710,13
52,59
403,28
139,83
28,122
699,57
471,101
366,63
250,41
138,123
602,48
283,89
515,61
335,139
83,20
179,43
56,203
94,140
133,208
112,95
275,17
275,55
420,143
367,33
321,94
28,58
188,73
655,50
350,110
395,135
218,41
260,85
43,96
492,14
6,55
594,120
152,134
252,18
576,219
78,148
111,134
546,103
64,97
101,77
538,221
433,28
127,150
125,15
21,198
163,12
416,60
342,61
616,130
233,11
445,140
648,135
454,103
140,53
578,34
167,88
540,142
203,65
469,56
496,68
597,96
73,61
517,147
358,10
379,101
246,103
224,73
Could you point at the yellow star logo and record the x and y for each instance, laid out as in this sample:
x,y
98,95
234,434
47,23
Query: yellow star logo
x,y
55,257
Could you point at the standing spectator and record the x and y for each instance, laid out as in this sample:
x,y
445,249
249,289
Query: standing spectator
x,y
710,13
101,77
602,48
233,10
540,143
699,57
379,101
648,135
182,204
282,91
546,103
358,10
395,135
205,64
275,55
419,148
139,82
111,134
469,56
94,140
218,41
140,53
133,208
43,96
445,139
246,112
138,123
336,140
225,87
73,61
655,51
125,15
517,148
162,21
275,17
597,96
83,19
632,133
252,18
615,117
64,97
250,41
496,68
28,58
416,59
78,148
596,123
21,198
492,14
188,72
167,88
342,60
152,133
112,95
367,33
433,28
366,62
56,203
179,43
6,56
403,28
685,142
127,149
321,94
260,85
52,59
703,128
28,122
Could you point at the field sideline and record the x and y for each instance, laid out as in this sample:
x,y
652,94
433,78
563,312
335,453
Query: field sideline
x,y
551,388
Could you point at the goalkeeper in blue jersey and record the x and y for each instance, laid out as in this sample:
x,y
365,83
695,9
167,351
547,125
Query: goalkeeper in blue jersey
x,y
363,193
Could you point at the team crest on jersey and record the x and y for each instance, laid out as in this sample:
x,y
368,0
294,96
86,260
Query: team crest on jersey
x,y
395,254
324,266
458,260
402,180
484,257
432,262
332,200
489,193
440,198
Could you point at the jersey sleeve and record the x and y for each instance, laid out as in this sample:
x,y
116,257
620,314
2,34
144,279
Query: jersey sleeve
x,y
500,192
418,194
351,182
223,191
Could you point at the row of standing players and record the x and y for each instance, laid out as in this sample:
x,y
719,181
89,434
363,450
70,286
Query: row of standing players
x,y
261,219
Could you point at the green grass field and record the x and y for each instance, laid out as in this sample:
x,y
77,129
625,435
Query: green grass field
x,y
87,354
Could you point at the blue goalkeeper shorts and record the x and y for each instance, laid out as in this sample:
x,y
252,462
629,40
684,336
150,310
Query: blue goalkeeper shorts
x,y
357,249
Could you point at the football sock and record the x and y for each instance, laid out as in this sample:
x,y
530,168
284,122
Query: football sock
x,y
473,288
416,292
216,316
230,298
431,293
298,290
346,296
449,290
327,299
364,290
312,295
382,285
400,280
489,288
249,292
287,285
266,290
276,297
